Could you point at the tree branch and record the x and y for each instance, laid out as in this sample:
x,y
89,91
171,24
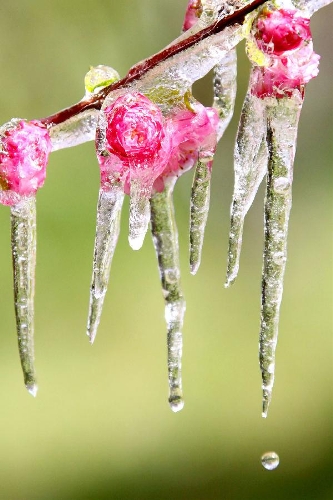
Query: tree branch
x,y
137,71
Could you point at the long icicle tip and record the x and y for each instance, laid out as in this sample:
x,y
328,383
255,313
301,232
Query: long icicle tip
x,y
282,117
250,164
199,208
107,231
23,240
165,238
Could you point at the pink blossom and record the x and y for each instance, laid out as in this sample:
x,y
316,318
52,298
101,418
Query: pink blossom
x,y
192,132
141,144
285,74
24,156
193,12
285,37
279,31
137,144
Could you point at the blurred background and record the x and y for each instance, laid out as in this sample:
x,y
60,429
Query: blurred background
x,y
101,427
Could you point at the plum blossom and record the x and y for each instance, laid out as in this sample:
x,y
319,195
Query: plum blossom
x,y
192,14
24,153
136,142
193,131
284,37
140,143
281,30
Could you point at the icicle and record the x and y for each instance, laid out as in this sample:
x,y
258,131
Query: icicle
x,y
250,167
282,120
224,98
107,232
165,238
139,214
225,88
200,197
23,240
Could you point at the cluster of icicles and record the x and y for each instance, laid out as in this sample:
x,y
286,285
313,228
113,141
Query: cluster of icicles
x,y
150,132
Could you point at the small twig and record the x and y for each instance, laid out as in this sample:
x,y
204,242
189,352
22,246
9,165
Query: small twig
x,y
137,71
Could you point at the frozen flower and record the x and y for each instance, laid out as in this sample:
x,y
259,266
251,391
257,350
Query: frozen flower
x,y
281,30
25,148
136,144
284,37
192,14
193,131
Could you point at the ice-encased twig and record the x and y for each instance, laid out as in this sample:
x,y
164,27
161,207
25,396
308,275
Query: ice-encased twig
x,y
225,88
250,166
165,238
107,231
23,242
282,120
310,6
74,131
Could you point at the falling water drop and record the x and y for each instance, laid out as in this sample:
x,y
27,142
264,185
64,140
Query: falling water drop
x,y
270,460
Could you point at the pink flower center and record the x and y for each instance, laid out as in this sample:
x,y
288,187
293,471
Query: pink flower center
x,y
285,37
23,159
134,128
192,14
280,31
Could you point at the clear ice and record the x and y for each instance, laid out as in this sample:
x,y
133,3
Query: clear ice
x,y
23,242
282,121
139,214
165,238
199,208
250,165
107,231
74,131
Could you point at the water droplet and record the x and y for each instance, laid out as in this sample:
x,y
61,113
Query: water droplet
x,y
270,460
176,403
281,185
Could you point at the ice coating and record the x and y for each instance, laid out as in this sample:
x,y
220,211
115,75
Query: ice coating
x,y
165,238
107,231
24,153
23,241
199,208
225,88
250,166
311,6
282,121
75,131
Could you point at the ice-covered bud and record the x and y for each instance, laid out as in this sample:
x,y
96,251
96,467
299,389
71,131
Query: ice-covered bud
x,y
192,14
194,132
134,128
288,62
285,74
280,31
24,152
137,141
99,77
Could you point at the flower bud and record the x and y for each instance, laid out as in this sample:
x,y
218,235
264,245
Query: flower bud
x,y
25,148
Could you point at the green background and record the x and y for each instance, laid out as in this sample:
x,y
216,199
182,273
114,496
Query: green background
x,y
101,427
